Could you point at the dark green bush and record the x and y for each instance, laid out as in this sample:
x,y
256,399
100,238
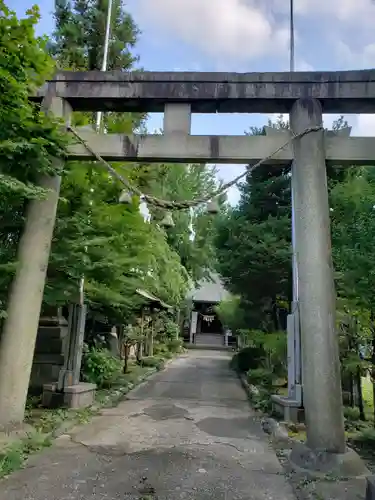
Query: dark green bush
x,y
260,376
248,358
365,438
160,348
351,414
171,329
100,367
153,362
175,345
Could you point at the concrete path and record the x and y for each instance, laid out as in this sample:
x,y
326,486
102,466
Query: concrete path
x,y
188,433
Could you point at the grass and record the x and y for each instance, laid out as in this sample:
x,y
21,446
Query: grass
x,y
367,392
15,454
124,383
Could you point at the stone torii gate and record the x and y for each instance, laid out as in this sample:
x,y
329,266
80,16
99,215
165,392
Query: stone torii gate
x,y
305,96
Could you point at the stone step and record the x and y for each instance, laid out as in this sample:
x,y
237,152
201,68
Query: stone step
x,y
209,339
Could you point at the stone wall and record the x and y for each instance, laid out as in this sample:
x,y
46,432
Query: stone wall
x,y
49,351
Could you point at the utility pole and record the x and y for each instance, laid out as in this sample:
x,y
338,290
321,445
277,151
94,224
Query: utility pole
x,y
105,55
294,334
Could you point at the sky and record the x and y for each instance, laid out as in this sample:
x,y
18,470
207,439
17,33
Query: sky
x,y
246,36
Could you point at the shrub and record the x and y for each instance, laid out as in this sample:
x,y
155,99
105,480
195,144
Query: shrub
x,y
365,438
262,401
171,329
175,345
248,358
160,348
351,414
153,362
260,376
100,367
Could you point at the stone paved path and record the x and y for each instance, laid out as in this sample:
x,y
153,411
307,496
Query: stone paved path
x,y
188,433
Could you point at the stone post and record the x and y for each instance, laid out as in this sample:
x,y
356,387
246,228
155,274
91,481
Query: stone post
x,y
70,373
320,354
193,326
26,292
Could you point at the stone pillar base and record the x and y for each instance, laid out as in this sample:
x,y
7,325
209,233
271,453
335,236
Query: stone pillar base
x,y
289,410
319,463
79,395
370,490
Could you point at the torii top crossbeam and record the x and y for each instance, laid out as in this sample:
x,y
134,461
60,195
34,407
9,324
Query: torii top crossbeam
x,y
338,91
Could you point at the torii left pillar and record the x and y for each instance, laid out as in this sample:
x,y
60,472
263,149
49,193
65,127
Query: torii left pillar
x,y
26,292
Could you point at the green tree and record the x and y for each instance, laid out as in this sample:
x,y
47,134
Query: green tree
x,y
253,244
78,40
192,237
108,243
353,233
254,240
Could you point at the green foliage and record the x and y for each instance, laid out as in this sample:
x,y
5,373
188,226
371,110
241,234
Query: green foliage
x,y
230,313
14,456
79,35
95,237
249,358
261,400
271,347
261,376
175,345
110,244
100,367
171,329
160,348
186,182
365,438
166,329
153,362
253,244
29,140
351,414
353,229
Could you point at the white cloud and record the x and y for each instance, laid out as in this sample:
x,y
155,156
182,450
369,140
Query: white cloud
x,y
220,28
356,58
226,173
365,125
349,11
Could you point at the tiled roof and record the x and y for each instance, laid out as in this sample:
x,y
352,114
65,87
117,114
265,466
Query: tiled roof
x,y
209,290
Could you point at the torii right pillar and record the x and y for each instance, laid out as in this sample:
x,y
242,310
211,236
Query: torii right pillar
x,y
320,352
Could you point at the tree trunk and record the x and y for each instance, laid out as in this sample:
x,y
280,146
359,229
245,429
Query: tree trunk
x,y
139,351
150,343
126,358
351,389
361,407
351,378
275,314
372,327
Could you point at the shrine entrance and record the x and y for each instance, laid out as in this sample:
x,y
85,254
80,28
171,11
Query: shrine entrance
x,y
208,320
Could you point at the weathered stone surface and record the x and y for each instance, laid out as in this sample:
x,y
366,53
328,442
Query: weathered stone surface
x,y
370,488
179,148
188,433
338,91
319,463
278,434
